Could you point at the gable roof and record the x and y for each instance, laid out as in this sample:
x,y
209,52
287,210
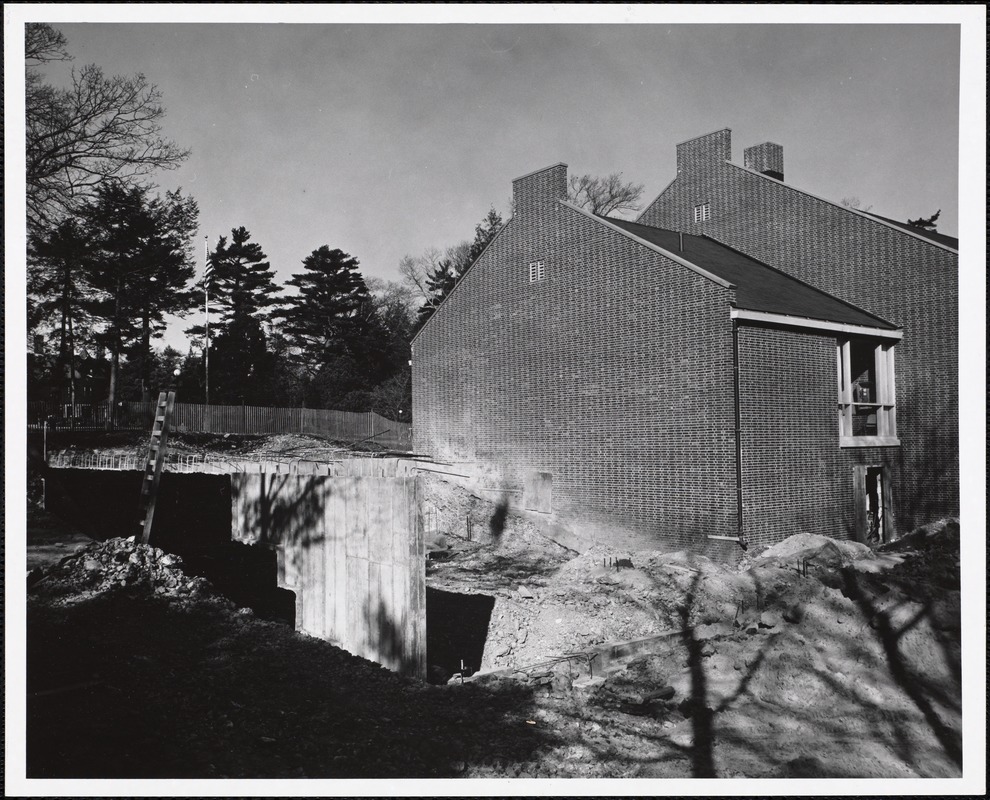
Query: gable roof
x,y
759,287
935,236
938,239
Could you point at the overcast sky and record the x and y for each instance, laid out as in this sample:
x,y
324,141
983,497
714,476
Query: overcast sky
x,y
384,140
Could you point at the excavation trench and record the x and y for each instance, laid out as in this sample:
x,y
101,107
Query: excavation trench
x,y
456,632
340,557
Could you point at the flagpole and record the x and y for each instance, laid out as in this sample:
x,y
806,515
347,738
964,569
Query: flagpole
x,y
206,288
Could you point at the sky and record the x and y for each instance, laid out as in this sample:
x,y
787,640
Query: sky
x,y
386,139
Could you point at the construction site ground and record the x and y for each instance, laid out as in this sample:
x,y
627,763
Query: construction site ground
x,y
815,658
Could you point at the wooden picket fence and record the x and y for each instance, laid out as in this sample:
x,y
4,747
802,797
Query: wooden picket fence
x,y
344,426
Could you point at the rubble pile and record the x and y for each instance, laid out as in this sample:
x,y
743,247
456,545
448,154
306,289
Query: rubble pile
x,y
114,565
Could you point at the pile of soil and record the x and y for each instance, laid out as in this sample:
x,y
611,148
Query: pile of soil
x,y
116,564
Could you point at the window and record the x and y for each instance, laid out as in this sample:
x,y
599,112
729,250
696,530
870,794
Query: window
x,y
866,393
536,272
702,213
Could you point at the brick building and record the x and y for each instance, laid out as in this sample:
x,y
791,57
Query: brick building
x,y
745,362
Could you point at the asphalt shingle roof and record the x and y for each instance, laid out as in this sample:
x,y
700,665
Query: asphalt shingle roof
x,y
758,287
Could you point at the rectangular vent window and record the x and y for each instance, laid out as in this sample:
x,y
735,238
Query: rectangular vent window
x,y
536,271
702,213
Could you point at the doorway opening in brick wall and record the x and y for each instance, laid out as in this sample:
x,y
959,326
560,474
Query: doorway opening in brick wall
x,y
871,496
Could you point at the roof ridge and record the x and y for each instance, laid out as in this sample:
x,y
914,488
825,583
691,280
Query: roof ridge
x,y
863,214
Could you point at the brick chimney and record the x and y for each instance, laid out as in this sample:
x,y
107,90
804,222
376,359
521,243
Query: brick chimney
x,y
695,154
533,193
767,158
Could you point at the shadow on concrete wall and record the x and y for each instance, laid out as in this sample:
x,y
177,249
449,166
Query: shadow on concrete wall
x,y
289,510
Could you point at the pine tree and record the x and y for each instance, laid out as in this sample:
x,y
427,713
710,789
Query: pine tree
x,y
484,232
330,317
57,282
441,281
139,268
925,223
243,282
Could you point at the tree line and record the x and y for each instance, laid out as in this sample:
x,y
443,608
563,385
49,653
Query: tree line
x,y
110,260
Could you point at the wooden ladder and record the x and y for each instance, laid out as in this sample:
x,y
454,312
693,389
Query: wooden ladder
x,y
153,466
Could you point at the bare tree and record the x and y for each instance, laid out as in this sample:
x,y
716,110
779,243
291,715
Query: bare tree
x,y
854,203
609,195
416,271
101,130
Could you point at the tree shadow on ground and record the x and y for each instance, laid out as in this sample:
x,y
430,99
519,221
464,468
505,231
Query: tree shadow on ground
x,y
123,687
842,698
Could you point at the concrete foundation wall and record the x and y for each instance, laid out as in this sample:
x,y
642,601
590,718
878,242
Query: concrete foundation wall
x,y
352,550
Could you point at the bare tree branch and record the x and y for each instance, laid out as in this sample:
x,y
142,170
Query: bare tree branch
x,y
609,195
100,130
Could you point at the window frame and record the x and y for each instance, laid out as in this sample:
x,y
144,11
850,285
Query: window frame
x,y
703,212
884,402
537,271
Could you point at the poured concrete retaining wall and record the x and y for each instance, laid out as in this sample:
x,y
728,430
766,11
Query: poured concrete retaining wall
x,y
352,550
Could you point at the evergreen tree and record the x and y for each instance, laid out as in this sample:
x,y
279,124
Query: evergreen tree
x,y
58,283
925,223
243,282
331,316
441,280
484,232
139,267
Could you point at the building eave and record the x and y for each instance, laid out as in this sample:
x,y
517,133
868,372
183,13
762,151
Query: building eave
x,y
787,320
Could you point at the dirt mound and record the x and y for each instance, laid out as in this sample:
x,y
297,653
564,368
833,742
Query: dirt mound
x,y
813,546
114,565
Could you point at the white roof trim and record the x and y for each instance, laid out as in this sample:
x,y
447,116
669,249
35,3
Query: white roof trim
x,y
845,208
656,248
815,324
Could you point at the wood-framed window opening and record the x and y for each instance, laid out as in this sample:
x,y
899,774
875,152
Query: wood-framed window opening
x,y
537,271
867,401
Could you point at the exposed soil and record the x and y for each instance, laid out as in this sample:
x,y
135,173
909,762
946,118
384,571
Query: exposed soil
x,y
136,670
814,658
135,444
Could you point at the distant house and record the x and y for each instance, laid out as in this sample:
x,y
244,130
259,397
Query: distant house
x,y
745,362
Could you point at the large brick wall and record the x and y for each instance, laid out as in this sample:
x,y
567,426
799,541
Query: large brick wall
x,y
614,374
796,479
888,272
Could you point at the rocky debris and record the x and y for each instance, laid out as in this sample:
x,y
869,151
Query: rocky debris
x,y
114,565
